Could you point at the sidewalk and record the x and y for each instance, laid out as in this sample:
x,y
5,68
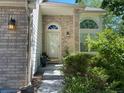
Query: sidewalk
x,y
52,79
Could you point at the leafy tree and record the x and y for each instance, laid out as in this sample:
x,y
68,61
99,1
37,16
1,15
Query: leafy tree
x,y
110,47
115,11
80,2
96,3
114,6
90,3
112,21
115,14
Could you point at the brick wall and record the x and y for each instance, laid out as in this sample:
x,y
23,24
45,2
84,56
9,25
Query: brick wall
x,y
13,48
76,30
67,25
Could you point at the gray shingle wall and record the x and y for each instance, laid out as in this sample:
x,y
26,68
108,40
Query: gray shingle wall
x,y
13,48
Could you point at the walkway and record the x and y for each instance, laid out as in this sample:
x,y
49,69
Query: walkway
x,y
52,79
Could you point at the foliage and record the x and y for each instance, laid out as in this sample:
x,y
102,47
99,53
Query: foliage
x,y
110,46
76,64
98,73
114,17
101,73
77,84
116,6
80,2
66,52
82,77
91,3
112,21
121,28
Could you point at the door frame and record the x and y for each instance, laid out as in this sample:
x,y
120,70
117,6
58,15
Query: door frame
x,y
59,35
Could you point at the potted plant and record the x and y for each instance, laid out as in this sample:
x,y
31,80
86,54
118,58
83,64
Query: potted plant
x,y
44,59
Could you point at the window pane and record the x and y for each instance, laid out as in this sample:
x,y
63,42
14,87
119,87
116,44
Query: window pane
x,y
53,27
84,46
88,24
93,36
83,42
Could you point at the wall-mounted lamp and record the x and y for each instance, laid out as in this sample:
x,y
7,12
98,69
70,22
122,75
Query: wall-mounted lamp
x,y
12,24
67,34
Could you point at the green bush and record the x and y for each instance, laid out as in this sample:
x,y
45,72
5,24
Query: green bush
x,y
100,73
110,46
78,84
76,64
82,77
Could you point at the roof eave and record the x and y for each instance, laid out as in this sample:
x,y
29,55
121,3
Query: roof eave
x,y
12,3
59,4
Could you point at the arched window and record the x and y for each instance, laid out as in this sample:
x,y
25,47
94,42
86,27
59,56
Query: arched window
x,y
88,24
53,27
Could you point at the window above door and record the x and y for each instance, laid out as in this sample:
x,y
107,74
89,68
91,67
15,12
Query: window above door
x,y
53,27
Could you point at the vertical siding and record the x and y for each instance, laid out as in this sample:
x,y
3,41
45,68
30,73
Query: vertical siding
x,y
36,39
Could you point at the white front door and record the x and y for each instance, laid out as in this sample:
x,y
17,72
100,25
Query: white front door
x,y
53,45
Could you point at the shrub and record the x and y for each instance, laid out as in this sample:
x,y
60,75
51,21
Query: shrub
x,y
82,77
110,46
78,84
102,73
76,64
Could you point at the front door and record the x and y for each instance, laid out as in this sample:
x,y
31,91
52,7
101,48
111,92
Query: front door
x,y
53,44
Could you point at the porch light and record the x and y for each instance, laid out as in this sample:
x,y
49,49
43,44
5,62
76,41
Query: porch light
x,y
67,34
12,24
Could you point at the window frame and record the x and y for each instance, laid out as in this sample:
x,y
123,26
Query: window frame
x,y
87,31
53,30
88,21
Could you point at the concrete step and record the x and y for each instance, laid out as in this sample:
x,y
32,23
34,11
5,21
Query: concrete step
x,y
51,86
53,77
54,60
52,74
52,67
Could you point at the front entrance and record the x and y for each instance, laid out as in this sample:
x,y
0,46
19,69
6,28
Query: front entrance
x,y
53,41
53,45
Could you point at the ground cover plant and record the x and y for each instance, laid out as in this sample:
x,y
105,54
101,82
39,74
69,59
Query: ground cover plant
x,y
100,73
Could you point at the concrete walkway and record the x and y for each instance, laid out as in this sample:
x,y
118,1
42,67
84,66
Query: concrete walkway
x,y
52,79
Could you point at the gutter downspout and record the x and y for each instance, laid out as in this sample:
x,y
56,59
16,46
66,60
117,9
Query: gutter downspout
x,y
28,69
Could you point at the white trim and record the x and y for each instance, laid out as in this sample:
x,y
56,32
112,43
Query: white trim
x,y
92,9
13,3
17,4
89,30
76,6
60,4
94,18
